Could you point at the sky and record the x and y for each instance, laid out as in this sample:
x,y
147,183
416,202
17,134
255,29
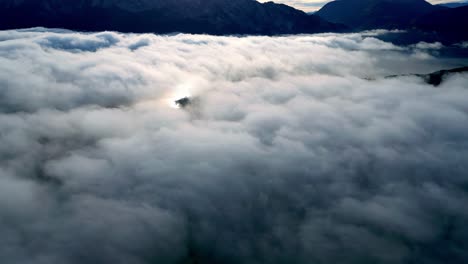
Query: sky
x,y
313,5
295,149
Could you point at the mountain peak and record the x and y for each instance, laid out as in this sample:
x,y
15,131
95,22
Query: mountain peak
x,y
370,14
163,16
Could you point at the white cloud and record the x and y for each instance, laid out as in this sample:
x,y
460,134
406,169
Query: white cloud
x,y
289,155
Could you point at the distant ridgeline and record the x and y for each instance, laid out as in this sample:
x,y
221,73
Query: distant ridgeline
x,y
454,4
423,20
372,14
220,17
435,78
227,17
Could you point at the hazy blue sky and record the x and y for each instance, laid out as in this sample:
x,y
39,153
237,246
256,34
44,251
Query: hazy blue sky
x,y
311,5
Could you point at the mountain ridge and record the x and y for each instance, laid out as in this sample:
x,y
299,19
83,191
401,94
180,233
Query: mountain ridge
x,y
446,23
218,17
454,4
373,14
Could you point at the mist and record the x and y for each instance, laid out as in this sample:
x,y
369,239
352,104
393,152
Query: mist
x,y
294,149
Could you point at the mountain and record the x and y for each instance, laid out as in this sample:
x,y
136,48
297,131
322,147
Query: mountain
x,y
454,4
436,78
162,16
420,20
373,14
450,24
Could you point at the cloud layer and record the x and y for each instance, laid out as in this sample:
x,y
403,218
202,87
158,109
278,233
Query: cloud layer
x,y
296,150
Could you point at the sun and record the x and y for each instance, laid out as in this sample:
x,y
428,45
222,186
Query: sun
x,y
182,91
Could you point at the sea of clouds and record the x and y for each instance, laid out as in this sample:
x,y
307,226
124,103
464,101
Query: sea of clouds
x,y
295,149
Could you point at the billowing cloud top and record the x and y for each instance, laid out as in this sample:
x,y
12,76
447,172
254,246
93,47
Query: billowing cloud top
x,y
294,150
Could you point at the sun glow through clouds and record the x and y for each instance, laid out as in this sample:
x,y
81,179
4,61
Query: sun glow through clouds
x,y
182,91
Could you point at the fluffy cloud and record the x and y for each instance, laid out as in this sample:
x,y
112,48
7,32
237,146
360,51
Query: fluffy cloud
x,y
297,150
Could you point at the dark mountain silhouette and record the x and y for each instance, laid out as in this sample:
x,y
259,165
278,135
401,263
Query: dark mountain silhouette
x,y
373,14
454,4
436,78
163,16
450,24
420,20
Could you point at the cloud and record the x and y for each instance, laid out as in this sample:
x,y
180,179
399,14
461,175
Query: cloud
x,y
463,45
428,46
295,150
